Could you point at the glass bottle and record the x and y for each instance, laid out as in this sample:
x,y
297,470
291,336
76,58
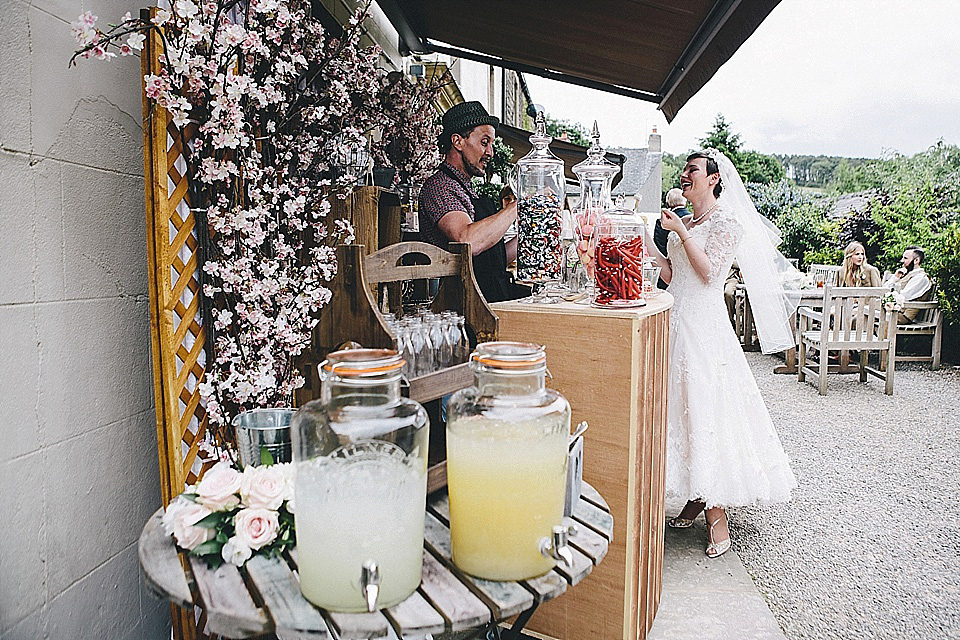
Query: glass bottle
x,y
507,440
596,175
360,455
540,186
620,253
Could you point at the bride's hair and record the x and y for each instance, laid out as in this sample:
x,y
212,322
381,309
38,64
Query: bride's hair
x,y
712,168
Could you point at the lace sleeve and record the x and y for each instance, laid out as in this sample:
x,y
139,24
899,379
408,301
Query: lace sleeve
x,y
721,242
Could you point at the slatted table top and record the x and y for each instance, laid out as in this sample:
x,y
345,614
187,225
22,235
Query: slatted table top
x,y
264,597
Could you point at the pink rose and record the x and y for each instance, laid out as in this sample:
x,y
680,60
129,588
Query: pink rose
x,y
256,527
219,486
264,487
180,519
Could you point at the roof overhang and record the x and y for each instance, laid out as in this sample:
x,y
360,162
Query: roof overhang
x,y
653,50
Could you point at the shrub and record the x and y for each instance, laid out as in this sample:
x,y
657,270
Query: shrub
x,y
806,229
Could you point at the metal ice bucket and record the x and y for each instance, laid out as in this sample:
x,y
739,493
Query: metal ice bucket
x,y
263,434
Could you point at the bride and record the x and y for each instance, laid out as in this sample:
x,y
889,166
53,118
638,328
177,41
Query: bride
x,y
722,449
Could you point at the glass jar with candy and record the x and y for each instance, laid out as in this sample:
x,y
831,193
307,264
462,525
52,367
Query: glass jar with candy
x,y
596,175
619,255
539,184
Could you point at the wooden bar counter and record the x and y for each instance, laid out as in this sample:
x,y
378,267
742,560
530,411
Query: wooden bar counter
x,y
612,366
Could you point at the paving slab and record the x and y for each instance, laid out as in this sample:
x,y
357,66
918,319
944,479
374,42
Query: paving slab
x,y
707,598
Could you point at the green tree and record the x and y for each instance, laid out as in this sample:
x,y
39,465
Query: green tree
x,y
565,130
722,138
752,165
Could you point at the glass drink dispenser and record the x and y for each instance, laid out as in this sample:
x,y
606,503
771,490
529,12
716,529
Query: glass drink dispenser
x,y
360,452
507,440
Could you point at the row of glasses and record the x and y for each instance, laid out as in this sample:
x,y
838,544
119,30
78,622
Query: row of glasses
x,y
430,341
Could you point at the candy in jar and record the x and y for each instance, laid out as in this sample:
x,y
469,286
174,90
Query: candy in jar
x,y
620,252
540,186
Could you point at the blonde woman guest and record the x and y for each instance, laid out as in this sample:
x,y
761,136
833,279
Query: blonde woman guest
x,y
857,272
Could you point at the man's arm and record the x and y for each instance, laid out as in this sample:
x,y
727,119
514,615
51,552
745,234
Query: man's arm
x,y
481,234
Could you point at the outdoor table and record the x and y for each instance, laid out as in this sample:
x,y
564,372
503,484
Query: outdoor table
x,y
264,597
806,297
612,365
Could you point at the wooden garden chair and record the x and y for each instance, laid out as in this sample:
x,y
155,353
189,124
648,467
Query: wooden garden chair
x,y
928,322
852,318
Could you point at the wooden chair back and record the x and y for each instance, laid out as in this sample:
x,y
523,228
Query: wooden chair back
x,y
853,310
828,272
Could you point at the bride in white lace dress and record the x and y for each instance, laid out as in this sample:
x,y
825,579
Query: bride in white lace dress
x,y
722,448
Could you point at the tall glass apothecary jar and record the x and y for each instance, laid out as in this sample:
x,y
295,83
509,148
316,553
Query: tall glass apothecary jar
x,y
540,187
507,439
360,455
619,258
596,175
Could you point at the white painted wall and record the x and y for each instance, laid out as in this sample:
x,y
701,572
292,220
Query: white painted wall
x,y
79,460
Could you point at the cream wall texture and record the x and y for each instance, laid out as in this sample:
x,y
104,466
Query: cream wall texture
x,y
79,463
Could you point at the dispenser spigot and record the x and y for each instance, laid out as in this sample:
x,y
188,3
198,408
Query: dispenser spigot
x,y
370,583
557,547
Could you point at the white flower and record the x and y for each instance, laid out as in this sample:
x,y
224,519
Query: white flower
x,y
185,8
264,487
235,552
219,486
180,519
135,41
256,528
162,17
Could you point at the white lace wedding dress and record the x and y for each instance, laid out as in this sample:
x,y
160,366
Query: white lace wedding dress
x,y
721,444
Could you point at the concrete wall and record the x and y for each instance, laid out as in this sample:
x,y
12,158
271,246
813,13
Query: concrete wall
x,y
79,464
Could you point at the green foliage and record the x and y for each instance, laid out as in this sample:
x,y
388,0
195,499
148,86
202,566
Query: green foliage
x,y
807,233
824,171
751,165
771,199
859,226
944,265
498,166
722,138
488,189
757,167
672,166
825,255
570,131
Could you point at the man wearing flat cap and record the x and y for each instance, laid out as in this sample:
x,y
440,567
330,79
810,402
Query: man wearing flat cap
x,y
450,211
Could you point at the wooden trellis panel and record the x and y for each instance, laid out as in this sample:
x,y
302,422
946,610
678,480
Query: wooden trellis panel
x,y
177,334
172,254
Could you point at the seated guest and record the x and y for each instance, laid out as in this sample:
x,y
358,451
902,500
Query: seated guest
x,y
911,281
857,272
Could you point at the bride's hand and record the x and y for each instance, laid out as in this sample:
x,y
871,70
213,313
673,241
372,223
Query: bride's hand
x,y
671,221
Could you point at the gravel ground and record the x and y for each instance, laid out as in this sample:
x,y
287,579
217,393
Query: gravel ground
x,y
869,547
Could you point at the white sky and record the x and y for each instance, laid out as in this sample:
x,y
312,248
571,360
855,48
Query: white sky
x,y
832,77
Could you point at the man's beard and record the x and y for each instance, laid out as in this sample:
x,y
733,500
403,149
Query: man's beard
x,y
910,266
472,169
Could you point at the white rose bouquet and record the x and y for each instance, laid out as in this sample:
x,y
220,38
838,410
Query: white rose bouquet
x,y
228,516
893,301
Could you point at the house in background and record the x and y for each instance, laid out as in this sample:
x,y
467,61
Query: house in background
x,y
642,177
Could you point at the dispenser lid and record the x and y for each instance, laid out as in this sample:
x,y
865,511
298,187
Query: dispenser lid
x,y
596,163
509,357
363,363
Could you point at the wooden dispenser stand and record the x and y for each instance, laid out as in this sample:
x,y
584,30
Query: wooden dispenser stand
x,y
354,316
